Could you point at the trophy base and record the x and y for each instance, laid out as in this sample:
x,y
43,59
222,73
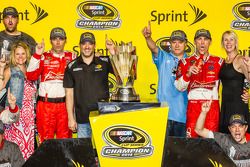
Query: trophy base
x,y
125,94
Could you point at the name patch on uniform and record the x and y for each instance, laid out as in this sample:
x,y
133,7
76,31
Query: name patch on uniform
x,y
77,69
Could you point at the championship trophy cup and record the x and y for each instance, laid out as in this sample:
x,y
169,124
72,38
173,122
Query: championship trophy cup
x,y
4,51
124,63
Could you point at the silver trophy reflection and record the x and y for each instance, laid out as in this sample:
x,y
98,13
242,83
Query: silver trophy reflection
x,y
4,51
4,58
124,63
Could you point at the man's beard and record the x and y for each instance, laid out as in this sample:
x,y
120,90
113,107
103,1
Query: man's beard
x,y
11,30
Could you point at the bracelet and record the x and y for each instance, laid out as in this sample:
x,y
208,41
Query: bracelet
x,y
1,77
13,110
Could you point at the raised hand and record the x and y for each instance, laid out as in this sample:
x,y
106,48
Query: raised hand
x,y
110,45
245,96
147,31
3,61
205,107
98,54
246,60
40,47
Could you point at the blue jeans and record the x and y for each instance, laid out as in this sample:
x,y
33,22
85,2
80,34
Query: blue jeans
x,y
176,129
84,130
16,85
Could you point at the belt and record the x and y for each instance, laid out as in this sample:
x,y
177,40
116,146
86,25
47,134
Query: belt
x,y
52,100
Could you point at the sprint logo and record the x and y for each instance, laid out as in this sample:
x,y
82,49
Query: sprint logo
x,y
96,15
199,14
176,15
40,13
24,14
126,142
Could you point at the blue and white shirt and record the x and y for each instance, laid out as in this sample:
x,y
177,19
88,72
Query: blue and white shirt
x,y
167,65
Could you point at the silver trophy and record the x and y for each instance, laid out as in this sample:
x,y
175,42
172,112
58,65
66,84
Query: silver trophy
x,y
124,63
4,51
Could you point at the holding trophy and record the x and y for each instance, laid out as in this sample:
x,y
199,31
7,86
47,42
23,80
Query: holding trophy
x,y
124,62
5,54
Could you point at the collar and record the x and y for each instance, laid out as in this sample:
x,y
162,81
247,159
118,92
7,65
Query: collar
x,y
184,56
80,60
15,33
202,57
61,55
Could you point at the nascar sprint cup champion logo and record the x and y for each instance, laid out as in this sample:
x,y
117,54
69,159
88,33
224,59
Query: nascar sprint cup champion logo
x,y
242,12
97,15
126,142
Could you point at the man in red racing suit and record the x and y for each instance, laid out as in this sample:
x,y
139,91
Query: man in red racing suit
x,y
51,117
200,75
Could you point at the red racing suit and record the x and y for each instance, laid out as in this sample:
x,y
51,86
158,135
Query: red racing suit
x,y
248,137
201,87
51,116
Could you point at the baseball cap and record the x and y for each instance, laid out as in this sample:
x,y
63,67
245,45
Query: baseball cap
x,y
178,35
87,37
57,32
10,11
1,127
202,33
237,118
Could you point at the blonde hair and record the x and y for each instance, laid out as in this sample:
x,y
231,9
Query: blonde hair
x,y
235,37
16,45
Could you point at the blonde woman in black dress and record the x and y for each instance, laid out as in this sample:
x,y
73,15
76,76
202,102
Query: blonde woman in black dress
x,y
234,71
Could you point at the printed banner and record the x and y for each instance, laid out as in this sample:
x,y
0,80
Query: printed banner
x,y
63,152
124,21
195,152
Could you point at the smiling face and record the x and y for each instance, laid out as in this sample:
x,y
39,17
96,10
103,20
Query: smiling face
x,y
87,49
238,132
20,56
230,42
10,22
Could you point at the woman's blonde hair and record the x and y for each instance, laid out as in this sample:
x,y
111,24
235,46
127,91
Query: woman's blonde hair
x,y
16,45
235,37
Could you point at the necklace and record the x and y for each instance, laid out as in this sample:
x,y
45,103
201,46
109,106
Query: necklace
x,y
228,61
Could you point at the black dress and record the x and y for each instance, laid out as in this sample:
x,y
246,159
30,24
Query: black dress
x,y
232,82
